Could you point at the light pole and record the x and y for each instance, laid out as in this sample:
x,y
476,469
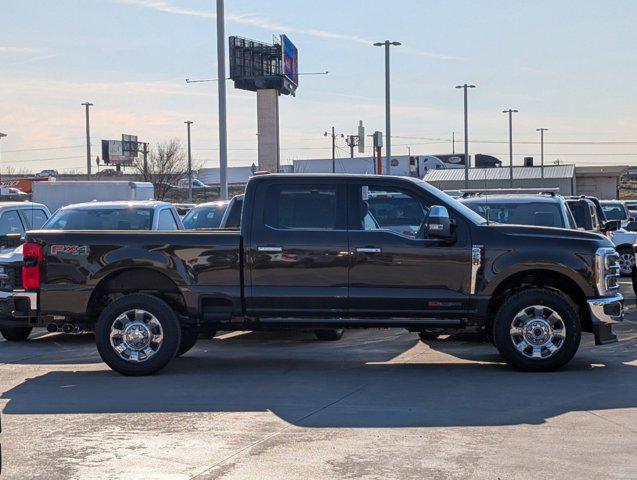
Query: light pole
x,y
88,141
387,44
2,135
541,130
221,75
465,87
510,112
188,123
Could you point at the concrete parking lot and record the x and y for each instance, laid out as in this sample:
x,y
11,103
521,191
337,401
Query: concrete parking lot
x,y
379,404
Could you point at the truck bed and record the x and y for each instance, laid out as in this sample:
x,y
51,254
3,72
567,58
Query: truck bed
x,y
199,264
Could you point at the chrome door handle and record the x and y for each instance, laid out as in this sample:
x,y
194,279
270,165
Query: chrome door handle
x,y
368,250
270,249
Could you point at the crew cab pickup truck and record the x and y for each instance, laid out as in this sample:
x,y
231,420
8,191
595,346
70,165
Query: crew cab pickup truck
x,y
311,254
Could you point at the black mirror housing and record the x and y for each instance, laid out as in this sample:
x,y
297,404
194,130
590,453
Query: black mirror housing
x,y
439,224
612,225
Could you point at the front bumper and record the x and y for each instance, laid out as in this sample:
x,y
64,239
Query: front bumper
x,y
604,313
18,308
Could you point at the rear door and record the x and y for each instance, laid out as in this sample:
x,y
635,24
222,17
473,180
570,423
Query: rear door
x,y
297,253
395,270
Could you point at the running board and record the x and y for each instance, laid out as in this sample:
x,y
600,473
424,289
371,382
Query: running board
x,y
362,322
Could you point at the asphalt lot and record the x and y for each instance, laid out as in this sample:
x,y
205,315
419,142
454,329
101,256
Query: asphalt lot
x,y
378,404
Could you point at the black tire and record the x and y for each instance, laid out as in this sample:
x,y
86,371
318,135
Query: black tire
x,y
329,334
16,334
189,338
165,316
428,335
623,253
515,304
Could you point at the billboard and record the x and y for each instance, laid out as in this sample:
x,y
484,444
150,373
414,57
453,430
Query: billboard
x,y
113,152
290,60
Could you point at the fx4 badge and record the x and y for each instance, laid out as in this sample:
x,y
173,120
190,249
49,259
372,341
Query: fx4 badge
x,y
69,249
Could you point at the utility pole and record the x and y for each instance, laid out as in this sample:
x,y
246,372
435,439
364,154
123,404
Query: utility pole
x,y
333,134
465,87
510,112
145,154
188,123
453,143
541,130
387,44
2,135
221,75
88,141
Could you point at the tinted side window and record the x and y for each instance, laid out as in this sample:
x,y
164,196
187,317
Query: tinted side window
x,y
35,218
166,220
311,207
392,209
10,223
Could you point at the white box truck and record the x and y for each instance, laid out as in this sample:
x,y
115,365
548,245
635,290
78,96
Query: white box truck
x,y
57,194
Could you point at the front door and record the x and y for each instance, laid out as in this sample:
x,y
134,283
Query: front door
x,y
394,269
298,253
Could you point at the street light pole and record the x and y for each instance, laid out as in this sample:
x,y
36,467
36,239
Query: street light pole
x,y
387,44
510,112
541,130
88,140
2,135
221,74
333,134
188,123
465,87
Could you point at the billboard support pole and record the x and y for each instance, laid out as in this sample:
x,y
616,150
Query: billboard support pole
x,y
221,74
188,123
88,141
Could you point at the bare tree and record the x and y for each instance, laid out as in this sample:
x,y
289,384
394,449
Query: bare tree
x,y
13,170
167,163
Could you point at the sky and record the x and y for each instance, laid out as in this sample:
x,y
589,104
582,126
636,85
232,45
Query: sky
x,y
566,65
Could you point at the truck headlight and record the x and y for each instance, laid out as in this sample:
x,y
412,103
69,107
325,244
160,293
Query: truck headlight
x,y
606,271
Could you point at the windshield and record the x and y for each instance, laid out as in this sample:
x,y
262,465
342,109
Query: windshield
x,y
528,213
101,219
614,211
451,202
208,216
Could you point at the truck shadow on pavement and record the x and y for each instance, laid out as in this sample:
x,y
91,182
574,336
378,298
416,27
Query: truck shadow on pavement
x,y
367,380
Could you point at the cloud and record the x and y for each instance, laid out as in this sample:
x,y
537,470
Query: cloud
x,y
20,50
259,22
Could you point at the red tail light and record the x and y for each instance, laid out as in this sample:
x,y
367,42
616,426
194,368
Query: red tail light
x,y
32,253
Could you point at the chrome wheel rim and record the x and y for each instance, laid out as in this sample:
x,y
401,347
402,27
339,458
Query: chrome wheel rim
x,y
538,332
626,263
136,336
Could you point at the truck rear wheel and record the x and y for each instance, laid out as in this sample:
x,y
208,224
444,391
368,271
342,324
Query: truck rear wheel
x,y
537,330
137,334
16,334
329,334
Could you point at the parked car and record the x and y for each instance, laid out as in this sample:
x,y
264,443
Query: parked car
x,y
219,214
13,194
616,210
546,210
135,215
47,173
17,218
532,289
631,205
183,183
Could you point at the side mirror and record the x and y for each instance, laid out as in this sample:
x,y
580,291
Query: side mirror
x,y
612,225
439,225
631,226
11,240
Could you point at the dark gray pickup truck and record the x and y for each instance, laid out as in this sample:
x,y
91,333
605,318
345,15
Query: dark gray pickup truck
x,y
326,251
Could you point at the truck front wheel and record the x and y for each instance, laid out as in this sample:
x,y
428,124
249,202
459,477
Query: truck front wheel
x,y
537,330
137,334
16,334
